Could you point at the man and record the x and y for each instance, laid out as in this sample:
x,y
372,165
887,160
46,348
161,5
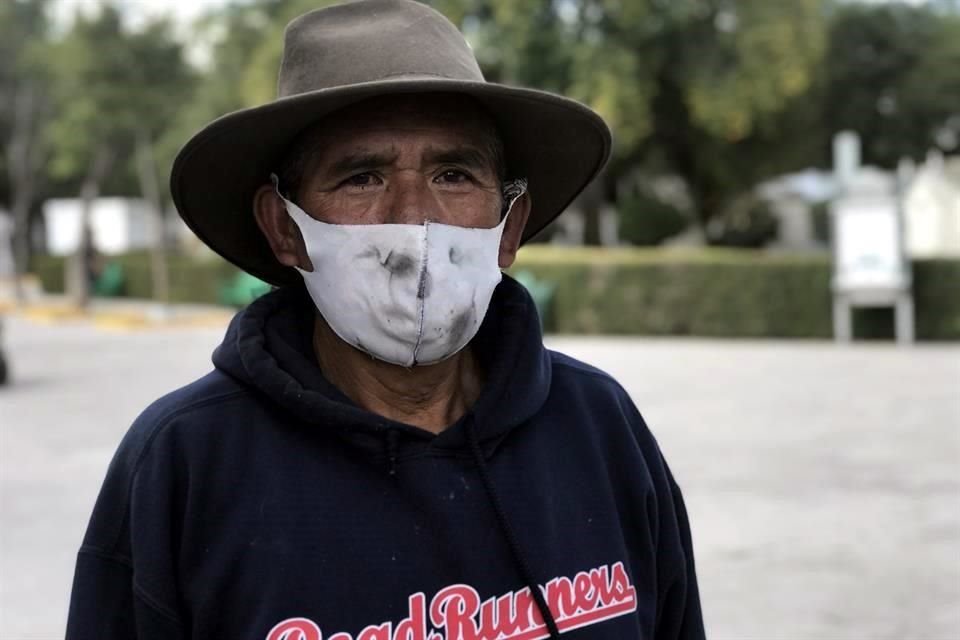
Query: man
x,y
386,451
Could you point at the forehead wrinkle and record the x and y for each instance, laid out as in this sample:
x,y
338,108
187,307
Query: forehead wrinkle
x,y
465,154
363,158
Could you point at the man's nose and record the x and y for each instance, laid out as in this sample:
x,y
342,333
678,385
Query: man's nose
x,y
410,199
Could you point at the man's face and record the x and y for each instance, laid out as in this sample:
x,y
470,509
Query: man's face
x,y
395,160
403,160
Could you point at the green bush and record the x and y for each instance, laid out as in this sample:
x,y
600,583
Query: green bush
x,y
721,292
49,270
191,280
936,297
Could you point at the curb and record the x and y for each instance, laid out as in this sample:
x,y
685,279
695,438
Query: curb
x,y
119,320
134,321
51,314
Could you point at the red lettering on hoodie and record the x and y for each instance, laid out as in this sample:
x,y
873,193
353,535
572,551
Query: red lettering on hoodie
x,y
456,612
381,632
414,627
295,629
453,609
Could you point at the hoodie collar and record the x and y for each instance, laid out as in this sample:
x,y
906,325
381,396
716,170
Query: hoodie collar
x,y
268,347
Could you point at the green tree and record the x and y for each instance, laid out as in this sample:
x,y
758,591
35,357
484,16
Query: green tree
x,y
242,70
689,87
115,93
234,32
24,107
891,77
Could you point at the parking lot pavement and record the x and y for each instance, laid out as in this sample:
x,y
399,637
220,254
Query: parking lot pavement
x,y
823,482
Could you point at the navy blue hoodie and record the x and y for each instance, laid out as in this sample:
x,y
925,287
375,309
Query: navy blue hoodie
x,y
259,503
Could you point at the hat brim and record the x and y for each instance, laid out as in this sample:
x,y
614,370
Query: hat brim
x,y
558,144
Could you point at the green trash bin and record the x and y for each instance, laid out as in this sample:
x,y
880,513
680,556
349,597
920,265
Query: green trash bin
x,y
242,289
110,282
542,293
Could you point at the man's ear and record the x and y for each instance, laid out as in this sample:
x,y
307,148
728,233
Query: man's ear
x,y
279,229
513,231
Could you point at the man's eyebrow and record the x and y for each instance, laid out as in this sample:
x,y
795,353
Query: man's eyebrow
x,y
362,160
471,157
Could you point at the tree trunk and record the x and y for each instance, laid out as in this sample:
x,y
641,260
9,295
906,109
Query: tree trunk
x,y
78,274
149,188
23,154
591,203
591,226
22,199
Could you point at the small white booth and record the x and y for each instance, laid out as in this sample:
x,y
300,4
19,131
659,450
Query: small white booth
x,y
870,268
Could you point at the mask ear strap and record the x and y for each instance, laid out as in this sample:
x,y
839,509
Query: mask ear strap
x,y
512,190
276,185
296,213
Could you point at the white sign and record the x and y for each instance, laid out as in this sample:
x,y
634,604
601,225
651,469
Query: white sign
x,y
867,245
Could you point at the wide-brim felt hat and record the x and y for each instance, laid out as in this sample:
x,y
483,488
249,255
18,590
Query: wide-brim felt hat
x,y
340,55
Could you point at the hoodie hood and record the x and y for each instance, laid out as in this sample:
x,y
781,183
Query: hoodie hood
x,y
269,347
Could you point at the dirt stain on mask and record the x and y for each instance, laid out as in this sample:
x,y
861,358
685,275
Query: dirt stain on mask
x,y
399,264
459,326
425,284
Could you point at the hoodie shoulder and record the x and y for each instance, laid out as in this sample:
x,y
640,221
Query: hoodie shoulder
x,y
204,394
600,390
107,532
574,366
212,389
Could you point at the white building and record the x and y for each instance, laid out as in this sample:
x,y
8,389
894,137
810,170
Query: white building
x,y
930,203
118,225
791,198
931,208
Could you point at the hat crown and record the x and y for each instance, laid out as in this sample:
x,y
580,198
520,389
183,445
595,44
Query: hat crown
x,y
372,40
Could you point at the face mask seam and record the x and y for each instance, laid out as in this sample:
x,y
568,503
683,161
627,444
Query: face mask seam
x,y
422,300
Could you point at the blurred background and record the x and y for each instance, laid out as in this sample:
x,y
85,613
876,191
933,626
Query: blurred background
x,y
785,174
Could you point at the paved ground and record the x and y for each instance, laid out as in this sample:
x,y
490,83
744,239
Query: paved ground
x,y
823,482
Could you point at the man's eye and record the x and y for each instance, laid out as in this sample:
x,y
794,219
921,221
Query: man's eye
x,y
361,180
453,176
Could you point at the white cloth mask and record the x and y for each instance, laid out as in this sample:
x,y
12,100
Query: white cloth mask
x,y
408,294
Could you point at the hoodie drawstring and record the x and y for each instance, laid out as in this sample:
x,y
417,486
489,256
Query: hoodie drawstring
x,y
393,437
518,557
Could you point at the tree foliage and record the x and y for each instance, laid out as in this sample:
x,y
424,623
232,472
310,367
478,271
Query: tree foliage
x,y
111,86
685,85
23,84
24,109
116,91
893,78
722,93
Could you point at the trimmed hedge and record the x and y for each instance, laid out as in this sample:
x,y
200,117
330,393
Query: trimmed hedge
x,y
936,297
702,292
722,293
191,279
